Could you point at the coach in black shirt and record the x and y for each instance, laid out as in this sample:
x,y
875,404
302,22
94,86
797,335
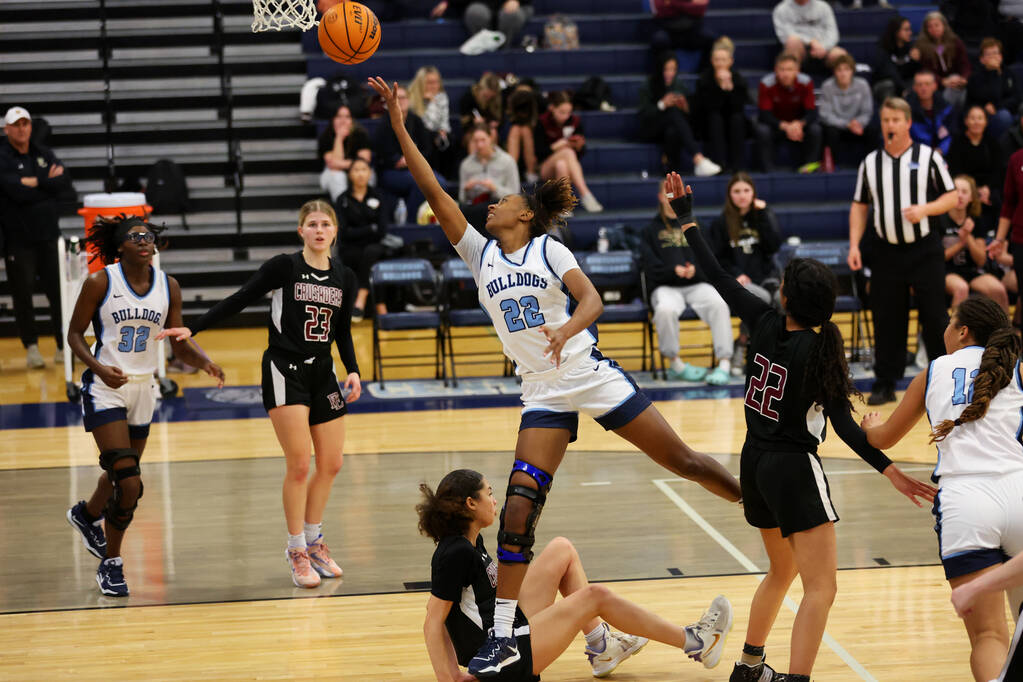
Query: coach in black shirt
x,y
908,183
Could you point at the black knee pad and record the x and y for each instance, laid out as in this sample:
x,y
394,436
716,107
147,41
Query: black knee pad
x,y
538,497
117,516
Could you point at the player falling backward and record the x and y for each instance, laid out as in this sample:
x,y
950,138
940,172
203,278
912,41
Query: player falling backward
x,y
526,283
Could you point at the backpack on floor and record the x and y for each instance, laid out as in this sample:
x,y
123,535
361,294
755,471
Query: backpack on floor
x,y
166,190
592,94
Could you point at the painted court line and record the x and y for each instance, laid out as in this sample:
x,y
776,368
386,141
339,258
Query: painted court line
x,y
596,483
852,472
745,562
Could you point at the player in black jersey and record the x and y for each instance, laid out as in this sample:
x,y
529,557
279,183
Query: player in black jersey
x,y
796,379
463,592
311,308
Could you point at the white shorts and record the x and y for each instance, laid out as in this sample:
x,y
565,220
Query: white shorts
x,y
591,384
979,521
133,402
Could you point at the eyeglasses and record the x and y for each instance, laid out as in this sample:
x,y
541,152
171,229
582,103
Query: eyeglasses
x,y
141,237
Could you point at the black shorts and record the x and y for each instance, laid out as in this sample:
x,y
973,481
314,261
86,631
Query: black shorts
x,y
786,490
311,382
522,669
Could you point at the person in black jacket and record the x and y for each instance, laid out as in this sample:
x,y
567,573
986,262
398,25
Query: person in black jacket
x,y
994,88
720,102
895,61
31,179
362,224
975,152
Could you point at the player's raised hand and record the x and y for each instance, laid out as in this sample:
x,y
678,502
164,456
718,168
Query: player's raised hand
x,y
681,197
910,487
555,342
178,333
215,371
390,97
353,384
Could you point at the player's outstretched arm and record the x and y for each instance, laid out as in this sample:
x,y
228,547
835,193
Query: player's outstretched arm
x,y
183,350
450,217
885,434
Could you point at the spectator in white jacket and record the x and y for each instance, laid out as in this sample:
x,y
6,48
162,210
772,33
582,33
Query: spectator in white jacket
x,y
488,173
807,29
845,105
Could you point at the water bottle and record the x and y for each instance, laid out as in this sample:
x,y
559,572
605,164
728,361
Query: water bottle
x,y
603,243
400,212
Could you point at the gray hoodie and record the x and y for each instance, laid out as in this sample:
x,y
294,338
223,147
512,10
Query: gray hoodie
x,y
836,107
813,21
501,168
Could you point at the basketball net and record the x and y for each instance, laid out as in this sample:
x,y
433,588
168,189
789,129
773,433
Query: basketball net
x,y
275,15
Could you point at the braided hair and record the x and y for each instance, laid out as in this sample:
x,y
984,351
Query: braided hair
x,y
107,234
550,202
444,513
809,288
989,326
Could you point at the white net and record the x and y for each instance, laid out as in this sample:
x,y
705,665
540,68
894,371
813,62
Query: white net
x,y
275,15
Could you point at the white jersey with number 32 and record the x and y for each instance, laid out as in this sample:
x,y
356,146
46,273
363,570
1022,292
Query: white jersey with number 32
x,y
126,322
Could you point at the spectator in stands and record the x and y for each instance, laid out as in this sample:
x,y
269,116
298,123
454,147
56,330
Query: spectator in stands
x,y
559,142
507,16
488,173
896,60
788,114
995,89
745,238
943,53
341,142
1011,140
1009,236
679,26
967,268
481,104
427,99
846,106
668,262
934,119
974,152
523,111
807,29
720,106
664,117
392,170
362,224
31,180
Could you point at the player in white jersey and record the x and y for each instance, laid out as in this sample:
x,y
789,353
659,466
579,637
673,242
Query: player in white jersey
x,y
527,283
973,398
128,303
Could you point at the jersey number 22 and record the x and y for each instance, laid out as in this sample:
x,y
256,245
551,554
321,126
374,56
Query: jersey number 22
x,y
522,313
760,396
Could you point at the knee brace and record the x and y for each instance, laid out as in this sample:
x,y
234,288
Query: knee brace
x,y
538,497
117,516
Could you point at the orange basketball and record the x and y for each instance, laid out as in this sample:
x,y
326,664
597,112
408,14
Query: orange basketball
x,y
349,33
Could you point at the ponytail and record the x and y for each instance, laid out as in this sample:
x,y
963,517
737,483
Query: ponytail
x,y
829,377
444,513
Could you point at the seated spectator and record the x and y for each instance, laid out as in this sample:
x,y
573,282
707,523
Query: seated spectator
x,y
788,114
488,173
846,106
679,26
974,152
341,142
664,117
995,89
392,170
807,29
745,238
559,142
428,101
523,112
676,283
721,98
895,61
933,119
944,54
507,16
1011,141
967,268
481,104
362,224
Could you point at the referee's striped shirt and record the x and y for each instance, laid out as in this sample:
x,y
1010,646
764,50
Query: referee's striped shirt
x,y
918,176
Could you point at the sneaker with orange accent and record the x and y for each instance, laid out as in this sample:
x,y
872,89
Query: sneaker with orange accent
x,y
302,574
319,557
712,629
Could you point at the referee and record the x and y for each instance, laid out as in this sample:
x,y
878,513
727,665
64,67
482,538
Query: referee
x,y
907,182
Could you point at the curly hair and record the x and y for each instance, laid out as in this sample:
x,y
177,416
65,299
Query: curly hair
x,y
989,326
107,234
550,202
444,513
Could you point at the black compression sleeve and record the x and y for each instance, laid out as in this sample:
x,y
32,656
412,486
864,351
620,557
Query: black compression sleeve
x,y
853,436
743,303
343,328
271,275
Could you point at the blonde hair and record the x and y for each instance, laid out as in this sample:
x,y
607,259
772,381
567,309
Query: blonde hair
x,y
973,208
724,43
416,100
898,104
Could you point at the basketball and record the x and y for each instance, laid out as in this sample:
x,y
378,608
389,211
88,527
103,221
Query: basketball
x,y
349,33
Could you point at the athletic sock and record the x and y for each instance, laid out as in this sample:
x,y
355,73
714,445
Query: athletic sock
x,y
693,642
595,639
677,364
725,364
297,541
752,655
790,677
312,532
504,616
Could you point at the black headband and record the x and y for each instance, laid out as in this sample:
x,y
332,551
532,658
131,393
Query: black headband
x,y
126,225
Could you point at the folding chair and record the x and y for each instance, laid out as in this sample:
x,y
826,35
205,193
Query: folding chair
x,y
462,311
621,284
404,273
